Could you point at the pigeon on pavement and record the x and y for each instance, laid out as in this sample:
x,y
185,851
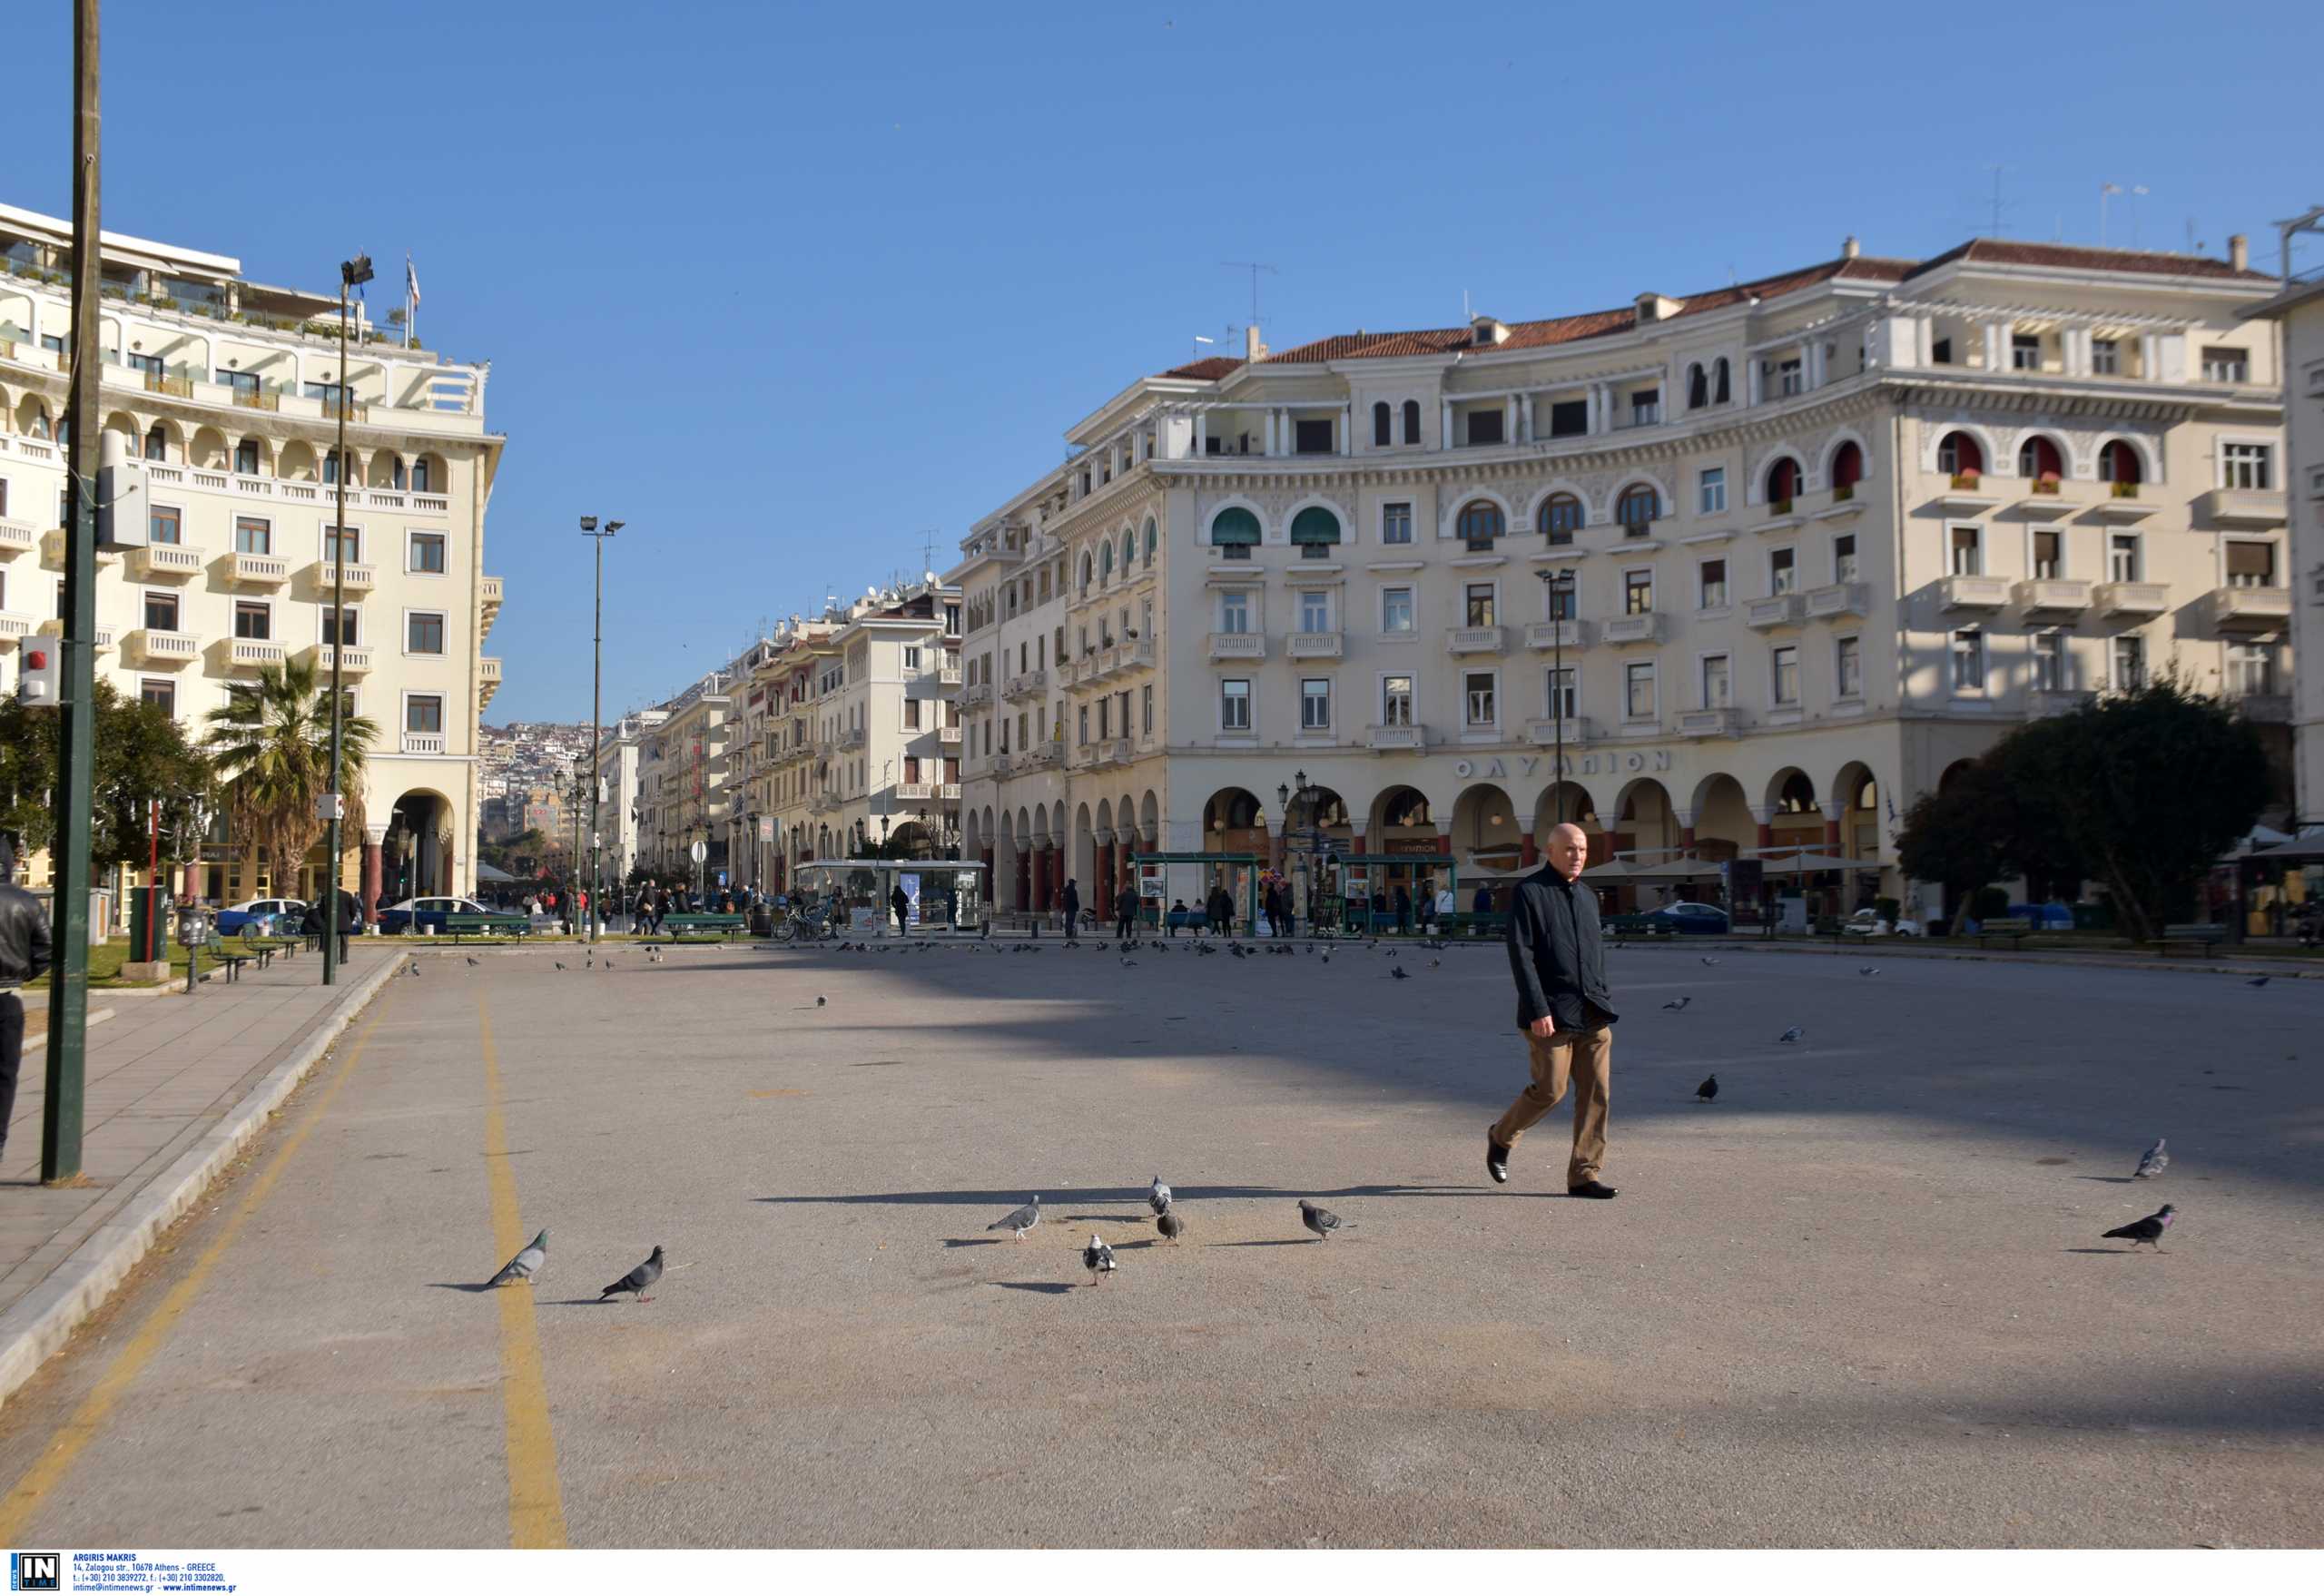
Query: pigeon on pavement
x,y
1098,1258
1171,1225
2151,1162
1157,1197
1867,970
820,999
1708,1090
1676,1004
1020,1220
1398,973
2149,1229
2256,981
526,1263
1709,960
559,962
1792,1035
637,1280
1321,1221
474,962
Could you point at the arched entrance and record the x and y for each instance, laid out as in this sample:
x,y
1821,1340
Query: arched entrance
x,y
416,857
1484,829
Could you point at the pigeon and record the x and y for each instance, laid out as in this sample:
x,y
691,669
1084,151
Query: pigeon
x,y
1436,964
1708,1090
1157,1197
1676,1004
637,1280
1098,1258
559,962
413,971
1321,1221
474,962
1708,960
1398,973
1020,1220
1792,1035
2256,980
2151,1162
1171,1226
526,1263
1867,970
820,999
2149,1229
1129,964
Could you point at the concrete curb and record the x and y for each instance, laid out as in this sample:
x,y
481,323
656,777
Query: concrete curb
x,y
44,1317
1901,948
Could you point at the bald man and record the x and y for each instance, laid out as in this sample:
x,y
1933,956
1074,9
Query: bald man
x,y
1558,955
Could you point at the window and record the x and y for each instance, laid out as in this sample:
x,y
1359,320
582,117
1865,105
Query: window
x,y
348,628
254,619
2025,351
1847,470
2118,463
1234,532
1560,518
1396,609
1380,424
1480,523
2250,565
1968,551
1789,380
1153,540
2129,661
2250,669
1636,510
246,458
1479,607
1234,613
1234,708
161,692
1564,603
157,443
352,537
1316,531
1569,418
911,714
1710,584
1563,693
1395,523
161,612
423,712
424,632
1638,691
1783,483
2105,358
2038,460
1717,692
2225,365
911,656
1638,593
423,476
2050,662
1412,420
1144,708
1484,426
1783,572
1847,667
1081,725
2049,557
1713,481
1787,674
1969,660
1477,697
162,526
1395,701
1698,388
1312,438
1315,611
240,381
1316,703
1646,407
1843,557
252,535
1958,456
2247,466
2122,558
426,553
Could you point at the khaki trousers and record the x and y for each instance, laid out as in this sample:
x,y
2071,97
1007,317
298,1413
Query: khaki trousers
x,y
1585,1059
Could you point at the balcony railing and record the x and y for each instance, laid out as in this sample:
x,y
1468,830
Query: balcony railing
x,y
1475,639
423,742
354,660
487,668
1238,645
1779,609
15,539
165,562
2133,598
14,626
1709,723
914,792
1315,646
1573,730
1645,628
1567,634
1838,598
359,579
2053,595
161,648
1384,737
949,677
2251,609
251,651
948,733
1975,592
56,628
2242,507
977,696
257,570
1026,685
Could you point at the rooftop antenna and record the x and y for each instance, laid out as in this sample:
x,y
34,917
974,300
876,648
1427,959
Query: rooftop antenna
x,y
2309,220
1996,168
1254,268
2137,189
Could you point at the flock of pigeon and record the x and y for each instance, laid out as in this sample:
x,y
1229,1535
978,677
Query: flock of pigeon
x,y
1098,1258
530,1261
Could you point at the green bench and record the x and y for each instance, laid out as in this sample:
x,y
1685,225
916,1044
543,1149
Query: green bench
x,y
1472,924
2016,930
679,926
2202,938
458,926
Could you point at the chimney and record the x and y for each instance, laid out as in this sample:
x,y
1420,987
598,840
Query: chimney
x,y
1849,248
1252,350
2239,251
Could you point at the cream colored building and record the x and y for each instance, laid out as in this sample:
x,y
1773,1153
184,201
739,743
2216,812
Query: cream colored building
x,y
2298,311
621,763
682,793
230,393
1831,533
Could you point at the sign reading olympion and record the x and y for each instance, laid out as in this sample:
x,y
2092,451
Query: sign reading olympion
x,y
1614,762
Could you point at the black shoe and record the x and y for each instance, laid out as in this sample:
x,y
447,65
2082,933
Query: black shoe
x,y
1496,1161
1591,1188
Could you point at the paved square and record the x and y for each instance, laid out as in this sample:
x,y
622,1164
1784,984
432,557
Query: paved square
x,y
1861,1300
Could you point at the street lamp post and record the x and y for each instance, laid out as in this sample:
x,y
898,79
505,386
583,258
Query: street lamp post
x,y
597,706
352,274
1561,587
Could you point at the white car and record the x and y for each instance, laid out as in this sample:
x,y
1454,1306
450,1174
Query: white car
x,y
287,913
1866,922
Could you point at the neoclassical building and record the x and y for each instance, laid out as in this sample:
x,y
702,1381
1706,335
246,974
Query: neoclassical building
x,y
230,392
1828,534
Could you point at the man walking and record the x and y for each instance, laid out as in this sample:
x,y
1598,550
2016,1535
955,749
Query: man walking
x,y
1219,909
1072,910
350,920
23,956
1558,955
901,908
1126,913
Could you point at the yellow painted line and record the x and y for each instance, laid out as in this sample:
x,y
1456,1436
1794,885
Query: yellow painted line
x,y
24,1498
536,1504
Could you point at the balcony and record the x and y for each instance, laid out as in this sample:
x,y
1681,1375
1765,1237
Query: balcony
x,y
165,561
2133,598
2242,507
1382,738
976,697
2270,709
1781,520
1643,627
1709,723
1975,592
1027,684
423,742
1780,609
2045,503
488,679
2041,703
1475,639
1315,646
148,646
354,660
487,592
14,627
1136,654
250,652
56,629
325,576
1041,756
2242,611
256,570
1966,497
947,735
851,738
1555,635
2125,505
16,541
2051,596
1002,763
948,676
1574,730
914,792
950,792
1238,645
1838,598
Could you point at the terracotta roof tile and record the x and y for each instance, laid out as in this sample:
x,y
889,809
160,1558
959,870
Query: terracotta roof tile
x,y
2011,252
1205,370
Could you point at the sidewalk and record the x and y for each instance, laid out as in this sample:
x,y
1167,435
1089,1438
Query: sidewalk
x,y
175,1087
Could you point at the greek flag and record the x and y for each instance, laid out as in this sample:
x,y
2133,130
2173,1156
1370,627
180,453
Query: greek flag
x,y
411,282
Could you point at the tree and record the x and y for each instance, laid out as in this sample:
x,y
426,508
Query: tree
x,y
141,755
271,746
1958,834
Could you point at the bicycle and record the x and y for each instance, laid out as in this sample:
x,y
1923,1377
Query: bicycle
x,y
811,925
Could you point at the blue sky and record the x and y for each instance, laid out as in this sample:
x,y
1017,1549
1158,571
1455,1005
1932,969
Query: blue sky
x,y
790,289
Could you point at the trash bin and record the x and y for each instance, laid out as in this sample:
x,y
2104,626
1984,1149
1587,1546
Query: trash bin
x,y
762,922
2093,917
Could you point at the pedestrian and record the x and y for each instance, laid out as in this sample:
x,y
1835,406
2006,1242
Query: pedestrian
x,y
901,906
350,920
1177,915
23,956
1072,910
1403,909
310,926
1126,913
1427,905
1558,955
1219,909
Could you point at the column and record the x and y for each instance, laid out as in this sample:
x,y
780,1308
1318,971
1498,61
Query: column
x,y
1444,427
374,837
1040,900
2147,347
1832,813
1021,867
1272,418
1525,417
1202,433
1103,872
1996,348
1763,816
1751,379
1684,821
1276,842
1056,875
1347,429
1527,854
1509,417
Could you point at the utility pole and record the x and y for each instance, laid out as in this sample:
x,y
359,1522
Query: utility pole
x,y
350,273
597,708
68,1014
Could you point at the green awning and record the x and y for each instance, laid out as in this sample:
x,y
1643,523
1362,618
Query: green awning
x,y
1233,525
1315,524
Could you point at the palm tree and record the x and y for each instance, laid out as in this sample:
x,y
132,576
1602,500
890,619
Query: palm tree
x,y
272,744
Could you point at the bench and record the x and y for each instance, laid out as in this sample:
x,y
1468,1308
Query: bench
x,y
2017,930
233,963
457,926
676,927
2202,938
1472,924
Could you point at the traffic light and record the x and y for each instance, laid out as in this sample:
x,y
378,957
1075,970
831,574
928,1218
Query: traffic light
x,y
39,683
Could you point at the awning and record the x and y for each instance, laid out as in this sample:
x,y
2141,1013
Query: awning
x,y
487,871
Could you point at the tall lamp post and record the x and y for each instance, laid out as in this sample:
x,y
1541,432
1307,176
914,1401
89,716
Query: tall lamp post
x,y
597,707
352,274
1560,589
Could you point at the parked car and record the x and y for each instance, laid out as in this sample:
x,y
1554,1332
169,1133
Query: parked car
x,y
414,916
2047,917
1866,922
1701,920
285,912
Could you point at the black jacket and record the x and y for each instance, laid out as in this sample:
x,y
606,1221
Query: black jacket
x,y
1556,952
23,937
1072,899
1219,907
1126,906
